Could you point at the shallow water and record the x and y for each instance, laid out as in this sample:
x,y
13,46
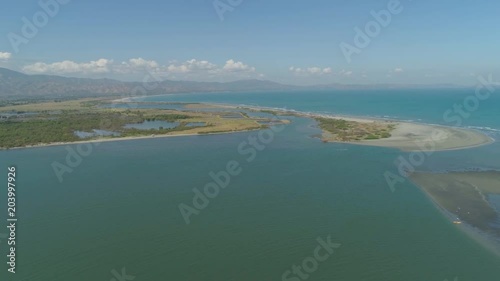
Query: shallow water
x,y
95,133
152,125
196,124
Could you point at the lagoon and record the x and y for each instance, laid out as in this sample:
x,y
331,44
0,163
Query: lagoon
x,y
152,125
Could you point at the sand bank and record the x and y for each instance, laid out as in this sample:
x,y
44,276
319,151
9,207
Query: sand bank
x,y
463,198
406,136
465,195
423,137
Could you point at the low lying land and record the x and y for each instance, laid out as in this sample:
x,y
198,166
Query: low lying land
x,y
56,122
387,133
341,130
465,195
402,135
422,137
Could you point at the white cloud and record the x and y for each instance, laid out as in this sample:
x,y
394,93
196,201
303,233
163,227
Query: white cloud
x,y
327,70
314,70
140,62
5,55
67,66
136,65
235,66
311,70
192,65
398,70
203,70
345,72
193,69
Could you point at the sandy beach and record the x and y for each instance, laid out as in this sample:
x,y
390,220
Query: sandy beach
x,y
422,137
406,136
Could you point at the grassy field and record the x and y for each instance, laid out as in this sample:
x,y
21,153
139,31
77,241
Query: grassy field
x,y
348,131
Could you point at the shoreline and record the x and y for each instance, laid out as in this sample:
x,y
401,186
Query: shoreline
x,y
403,137
407,136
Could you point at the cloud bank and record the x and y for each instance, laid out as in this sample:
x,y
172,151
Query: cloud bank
x,y
190,69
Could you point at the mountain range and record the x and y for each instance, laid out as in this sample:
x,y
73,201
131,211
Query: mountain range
x,y
17,85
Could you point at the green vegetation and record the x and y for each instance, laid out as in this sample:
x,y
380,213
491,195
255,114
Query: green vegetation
x,y
343,130
90,103
269,112
57,122
45,128
224,131
167,117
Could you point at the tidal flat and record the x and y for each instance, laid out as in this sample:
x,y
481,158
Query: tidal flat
x,y
465,195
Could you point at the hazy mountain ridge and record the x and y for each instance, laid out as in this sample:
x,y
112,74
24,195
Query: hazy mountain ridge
x,y
15,85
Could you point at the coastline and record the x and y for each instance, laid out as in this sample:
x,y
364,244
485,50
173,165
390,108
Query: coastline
x,y
121,139
407,136
425,137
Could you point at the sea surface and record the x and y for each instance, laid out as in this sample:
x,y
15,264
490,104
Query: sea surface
x,y
118,209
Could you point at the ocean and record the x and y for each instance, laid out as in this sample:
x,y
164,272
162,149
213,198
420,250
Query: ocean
x,y
118,210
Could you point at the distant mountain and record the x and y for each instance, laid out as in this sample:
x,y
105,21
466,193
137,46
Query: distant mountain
x,y
338,86
17,85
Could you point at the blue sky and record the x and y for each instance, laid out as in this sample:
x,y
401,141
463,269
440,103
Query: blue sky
x,y
295,42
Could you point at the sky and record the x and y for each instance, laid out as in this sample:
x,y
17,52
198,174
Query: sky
x,y
289,41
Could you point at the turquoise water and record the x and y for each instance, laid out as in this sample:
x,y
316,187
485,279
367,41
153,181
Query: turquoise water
x,y
425,106
416,105
119,207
